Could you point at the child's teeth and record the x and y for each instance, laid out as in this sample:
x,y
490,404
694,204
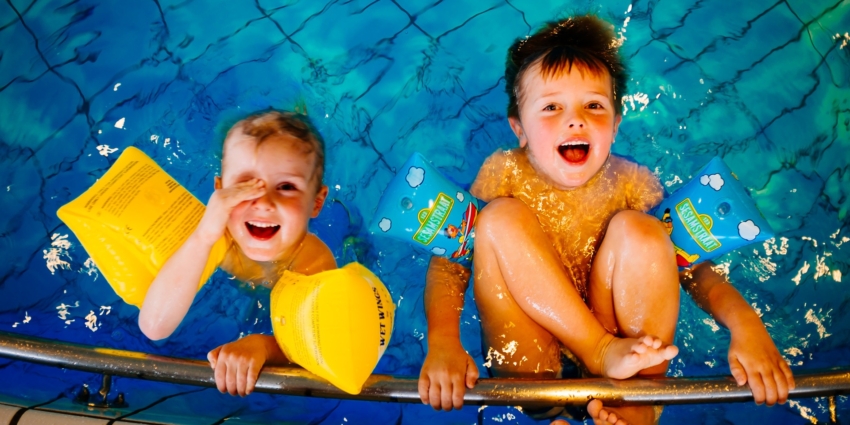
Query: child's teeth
x,y
255,224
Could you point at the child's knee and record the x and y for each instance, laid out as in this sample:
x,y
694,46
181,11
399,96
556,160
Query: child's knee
x,y
644,229
502,214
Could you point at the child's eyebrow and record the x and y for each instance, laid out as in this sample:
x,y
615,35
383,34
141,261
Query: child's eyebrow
x,y
287,175
555,93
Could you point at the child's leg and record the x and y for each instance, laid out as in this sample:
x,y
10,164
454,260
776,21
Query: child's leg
x,y
634,280
634,291
528,305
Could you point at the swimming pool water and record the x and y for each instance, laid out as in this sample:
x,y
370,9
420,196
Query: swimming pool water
x,y
764,84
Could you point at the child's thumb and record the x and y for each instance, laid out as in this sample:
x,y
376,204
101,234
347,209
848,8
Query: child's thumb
x,y
212,356
471,374
738,371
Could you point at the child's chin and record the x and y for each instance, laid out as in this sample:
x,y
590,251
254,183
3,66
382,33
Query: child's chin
x,y
259,254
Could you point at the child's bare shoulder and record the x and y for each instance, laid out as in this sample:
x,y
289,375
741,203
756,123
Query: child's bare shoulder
x,y
490,182
314,257
642,188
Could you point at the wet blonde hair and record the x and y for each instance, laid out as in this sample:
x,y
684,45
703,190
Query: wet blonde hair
x,y
273,124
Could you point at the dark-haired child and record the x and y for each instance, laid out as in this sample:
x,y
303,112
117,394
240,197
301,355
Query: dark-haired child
x,y
270,186
565,255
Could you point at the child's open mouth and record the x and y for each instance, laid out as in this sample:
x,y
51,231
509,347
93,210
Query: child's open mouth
x,y
260,230
574,152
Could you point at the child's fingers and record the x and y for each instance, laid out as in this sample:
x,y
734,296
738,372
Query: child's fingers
x,y
771,393
457,392
789,376
781,386
446,393
221,377
247,191
230,379
757,387
253,374
424,386
241,379
434,396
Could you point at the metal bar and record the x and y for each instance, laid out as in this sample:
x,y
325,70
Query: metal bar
x,y
504,392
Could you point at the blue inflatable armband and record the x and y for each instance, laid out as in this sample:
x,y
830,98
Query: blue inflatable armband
x,y
711,215
424,208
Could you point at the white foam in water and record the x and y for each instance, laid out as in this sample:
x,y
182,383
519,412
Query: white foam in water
x,y
105,150
59,246
119,123
711,323
811,318
803,270
90,268
91,321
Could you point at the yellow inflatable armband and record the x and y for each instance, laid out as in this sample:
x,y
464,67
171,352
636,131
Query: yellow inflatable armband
x,y
132,220
336,324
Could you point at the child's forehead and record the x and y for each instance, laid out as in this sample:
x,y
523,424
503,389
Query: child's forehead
x,y
242,150
576,74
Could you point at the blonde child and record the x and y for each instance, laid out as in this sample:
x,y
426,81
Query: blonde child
x,y
270,186
565,255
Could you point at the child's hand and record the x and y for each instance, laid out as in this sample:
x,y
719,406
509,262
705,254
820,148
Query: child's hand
x,y
212,225
754,359
445,371
237,364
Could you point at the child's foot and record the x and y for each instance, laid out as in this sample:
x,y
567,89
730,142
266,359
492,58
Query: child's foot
x,y
625,357
636,415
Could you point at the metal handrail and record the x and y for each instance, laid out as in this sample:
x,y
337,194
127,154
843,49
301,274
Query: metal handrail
x,y
497,392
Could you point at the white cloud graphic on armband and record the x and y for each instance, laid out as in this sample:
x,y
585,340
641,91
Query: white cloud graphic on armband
x,y
415,176
748,230
714,180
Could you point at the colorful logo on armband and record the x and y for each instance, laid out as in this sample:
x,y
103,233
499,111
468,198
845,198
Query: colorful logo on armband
x,y
432,219
728,215
698,225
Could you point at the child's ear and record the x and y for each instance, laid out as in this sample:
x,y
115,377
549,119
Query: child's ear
x,y
320,200
516,126
617,120
217,183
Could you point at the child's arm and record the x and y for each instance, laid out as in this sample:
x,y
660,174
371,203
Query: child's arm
x,y
172,291
447,366
753,357
237,364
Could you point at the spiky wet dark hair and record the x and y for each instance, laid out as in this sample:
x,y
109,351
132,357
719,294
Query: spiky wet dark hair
x,y
585,40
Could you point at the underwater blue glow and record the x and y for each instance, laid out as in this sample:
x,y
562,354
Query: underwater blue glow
x,y
763,84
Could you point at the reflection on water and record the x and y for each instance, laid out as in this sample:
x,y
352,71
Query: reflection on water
x,y
763,84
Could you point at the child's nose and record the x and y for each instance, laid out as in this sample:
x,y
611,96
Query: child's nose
x,y
264,202
575,120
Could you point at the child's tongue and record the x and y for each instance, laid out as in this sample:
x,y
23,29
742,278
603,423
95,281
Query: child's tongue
x,y
262,233
574,153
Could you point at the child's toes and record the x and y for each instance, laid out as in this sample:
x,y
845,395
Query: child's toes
x,y
656,344
594,409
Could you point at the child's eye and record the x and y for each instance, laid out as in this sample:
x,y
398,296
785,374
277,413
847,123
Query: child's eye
x,y
286,186
595,105
550,107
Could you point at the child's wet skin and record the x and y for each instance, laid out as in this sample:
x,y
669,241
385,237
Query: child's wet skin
x,y
574,220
